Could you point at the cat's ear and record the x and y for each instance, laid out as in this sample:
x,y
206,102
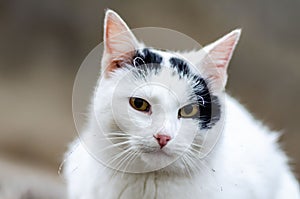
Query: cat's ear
x,y
217,56
119,42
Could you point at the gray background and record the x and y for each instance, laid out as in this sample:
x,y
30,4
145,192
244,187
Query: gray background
x,y
42,44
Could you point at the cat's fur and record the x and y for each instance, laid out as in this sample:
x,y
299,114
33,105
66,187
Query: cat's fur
x,y
246,162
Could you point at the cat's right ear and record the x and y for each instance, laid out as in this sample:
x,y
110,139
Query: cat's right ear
x,y
119,43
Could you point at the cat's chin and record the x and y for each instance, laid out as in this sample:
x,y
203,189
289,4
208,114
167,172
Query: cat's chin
x,y
159,159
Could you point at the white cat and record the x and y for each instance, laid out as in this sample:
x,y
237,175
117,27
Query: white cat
x,y
150,121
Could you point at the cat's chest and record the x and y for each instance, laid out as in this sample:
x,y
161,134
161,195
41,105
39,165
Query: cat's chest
x,y
150,186
94,181
154,186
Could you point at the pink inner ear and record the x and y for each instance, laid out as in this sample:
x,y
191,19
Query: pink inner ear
x,y
222,51
114,26
225,52
215,65
119,42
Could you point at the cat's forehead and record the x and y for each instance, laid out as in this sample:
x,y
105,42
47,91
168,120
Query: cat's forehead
x,y
165,72
164,85
160,58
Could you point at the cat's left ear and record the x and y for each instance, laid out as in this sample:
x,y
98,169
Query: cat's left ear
x,y
216,59
119,42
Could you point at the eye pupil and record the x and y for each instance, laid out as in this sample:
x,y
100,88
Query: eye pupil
x,y
188,110
138,103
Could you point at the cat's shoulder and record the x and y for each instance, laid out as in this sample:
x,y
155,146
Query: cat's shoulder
x,y
250,151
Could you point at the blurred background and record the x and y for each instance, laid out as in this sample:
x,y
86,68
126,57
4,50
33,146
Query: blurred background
x,y
42,44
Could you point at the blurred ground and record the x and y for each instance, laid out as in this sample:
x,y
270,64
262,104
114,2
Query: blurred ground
x,y
44,42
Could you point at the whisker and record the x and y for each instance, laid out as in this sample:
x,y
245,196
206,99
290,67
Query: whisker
x,y
134,155
116,156
186,166
193,162
197,145
121,162
196,151
113,145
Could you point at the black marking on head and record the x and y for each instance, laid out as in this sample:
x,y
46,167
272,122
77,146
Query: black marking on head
x,y
150,57
181,66
146,59
209,105
210,109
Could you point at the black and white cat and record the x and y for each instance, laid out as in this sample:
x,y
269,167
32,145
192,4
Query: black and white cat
x,y
149,116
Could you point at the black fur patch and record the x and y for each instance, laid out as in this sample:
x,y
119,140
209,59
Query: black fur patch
x,y
180,65
210,109
147,59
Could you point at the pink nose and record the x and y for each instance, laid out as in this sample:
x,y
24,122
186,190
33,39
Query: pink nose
x,y
162,139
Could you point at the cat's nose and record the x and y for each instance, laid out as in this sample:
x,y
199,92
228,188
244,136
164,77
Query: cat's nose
x,y
162,139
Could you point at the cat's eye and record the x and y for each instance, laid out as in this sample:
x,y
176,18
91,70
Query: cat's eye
x,y
139,104
189,111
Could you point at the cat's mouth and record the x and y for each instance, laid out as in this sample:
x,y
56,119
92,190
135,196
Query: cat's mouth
x,y
162,152
159,158
157,151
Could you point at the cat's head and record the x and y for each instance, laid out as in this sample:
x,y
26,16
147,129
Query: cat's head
x,y
157,106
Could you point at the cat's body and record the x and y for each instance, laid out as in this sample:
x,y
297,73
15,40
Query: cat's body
x,y
246,162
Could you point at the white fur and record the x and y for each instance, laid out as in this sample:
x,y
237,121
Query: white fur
x,y
247,163
118,157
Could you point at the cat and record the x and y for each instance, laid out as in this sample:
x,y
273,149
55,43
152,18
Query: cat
x,y
144,137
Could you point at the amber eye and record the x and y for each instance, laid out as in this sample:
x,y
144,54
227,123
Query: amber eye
x,y
139,104
189,111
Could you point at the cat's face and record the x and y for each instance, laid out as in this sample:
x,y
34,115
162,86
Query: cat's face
x,y
156,106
